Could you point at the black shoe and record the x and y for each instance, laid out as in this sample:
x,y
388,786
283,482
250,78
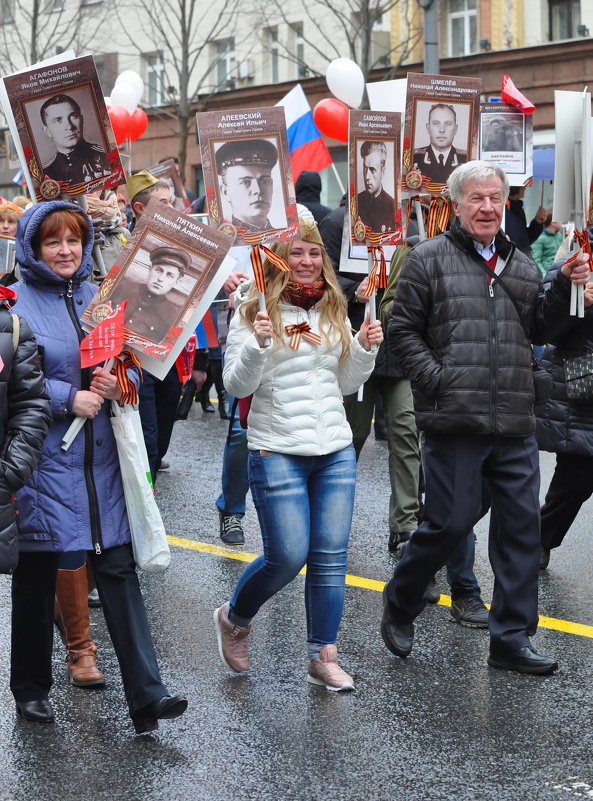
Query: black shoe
x,y
470,611
524,660
398,637
223,406
381,432
164,465
35,711
431,593
544,557
166,708
93,599
231,529
397,537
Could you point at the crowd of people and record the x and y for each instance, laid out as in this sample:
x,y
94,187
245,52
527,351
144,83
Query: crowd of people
x,y
450,358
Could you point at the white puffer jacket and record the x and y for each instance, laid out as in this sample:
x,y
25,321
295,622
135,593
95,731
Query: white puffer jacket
x,y
297,405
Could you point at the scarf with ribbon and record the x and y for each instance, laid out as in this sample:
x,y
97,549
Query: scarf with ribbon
x,y
301,330
305,296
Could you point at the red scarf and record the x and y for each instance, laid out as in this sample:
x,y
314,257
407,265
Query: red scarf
x,y
304,295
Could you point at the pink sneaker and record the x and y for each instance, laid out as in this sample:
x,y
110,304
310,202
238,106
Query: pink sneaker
x,y
232,641
326,672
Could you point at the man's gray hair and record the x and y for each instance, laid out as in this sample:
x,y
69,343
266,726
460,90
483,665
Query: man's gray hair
x,y
475,171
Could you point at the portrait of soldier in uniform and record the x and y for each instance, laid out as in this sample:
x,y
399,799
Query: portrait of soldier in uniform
x,y
246,183
150,311
76,160
375,205
439,158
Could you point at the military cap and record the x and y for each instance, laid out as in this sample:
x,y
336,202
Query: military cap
x,y
244,152
139,182
309,231
173,257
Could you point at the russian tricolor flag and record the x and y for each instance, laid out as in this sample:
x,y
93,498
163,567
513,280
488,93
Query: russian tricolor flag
x,y
308,151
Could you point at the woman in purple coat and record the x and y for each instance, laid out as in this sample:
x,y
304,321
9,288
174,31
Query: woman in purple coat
x,y
74,502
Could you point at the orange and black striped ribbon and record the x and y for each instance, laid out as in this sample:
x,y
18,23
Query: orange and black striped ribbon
x,y
295,332
410,206
439,213
126,360
582,237
258,268
378,274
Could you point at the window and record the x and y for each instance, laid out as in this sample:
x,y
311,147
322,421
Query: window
x,y
58,5
155,78
225,63
462,22
565,19
273,46
299,50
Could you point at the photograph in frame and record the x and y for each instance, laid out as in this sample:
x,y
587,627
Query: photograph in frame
x,y
64,128
374,184
167,171
440,130
506,139
169,272
7,254
247,174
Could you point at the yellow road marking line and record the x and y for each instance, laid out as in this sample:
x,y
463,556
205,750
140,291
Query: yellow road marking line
x,y
552,623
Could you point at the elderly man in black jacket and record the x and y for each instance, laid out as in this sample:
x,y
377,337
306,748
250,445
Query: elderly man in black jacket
x,y
467,305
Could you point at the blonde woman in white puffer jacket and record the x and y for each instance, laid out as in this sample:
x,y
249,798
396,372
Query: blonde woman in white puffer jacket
x,y
302,467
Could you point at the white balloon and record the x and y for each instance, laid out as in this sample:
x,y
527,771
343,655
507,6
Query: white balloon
x,y
131,77
345,81
108,101
124,94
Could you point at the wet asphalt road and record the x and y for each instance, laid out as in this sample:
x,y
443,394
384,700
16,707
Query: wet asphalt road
x,y
438,726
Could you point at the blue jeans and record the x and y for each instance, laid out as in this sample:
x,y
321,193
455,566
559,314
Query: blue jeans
x,y
234,480
304,505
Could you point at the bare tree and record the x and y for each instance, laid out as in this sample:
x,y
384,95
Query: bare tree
x,y
183,32
33,30
348,28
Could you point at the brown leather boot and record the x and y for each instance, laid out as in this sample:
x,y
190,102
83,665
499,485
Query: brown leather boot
x,y
71,614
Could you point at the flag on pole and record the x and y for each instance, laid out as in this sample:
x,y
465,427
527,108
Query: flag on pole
x,y
19,178
308,151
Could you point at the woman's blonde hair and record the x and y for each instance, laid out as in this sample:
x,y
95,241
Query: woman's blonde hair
x,y
332,306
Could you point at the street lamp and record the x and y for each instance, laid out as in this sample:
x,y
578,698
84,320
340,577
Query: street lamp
x,y
431,36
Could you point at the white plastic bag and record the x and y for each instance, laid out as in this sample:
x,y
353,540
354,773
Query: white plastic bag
x,y
149,541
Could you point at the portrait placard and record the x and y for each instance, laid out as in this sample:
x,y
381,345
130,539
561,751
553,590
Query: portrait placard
x,y
167,171
170,271
7,254
374,187
64,129
247,174
440,131
506,139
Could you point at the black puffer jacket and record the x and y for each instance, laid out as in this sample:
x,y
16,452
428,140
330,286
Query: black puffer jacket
x,y
460,341
562,425
24,421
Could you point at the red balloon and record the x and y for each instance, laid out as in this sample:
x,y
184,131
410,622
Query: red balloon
x,y
120,122
138,124
331,117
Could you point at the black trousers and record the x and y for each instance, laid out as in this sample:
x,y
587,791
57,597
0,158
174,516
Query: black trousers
x,y
33,590
158,401
455,467
570,487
